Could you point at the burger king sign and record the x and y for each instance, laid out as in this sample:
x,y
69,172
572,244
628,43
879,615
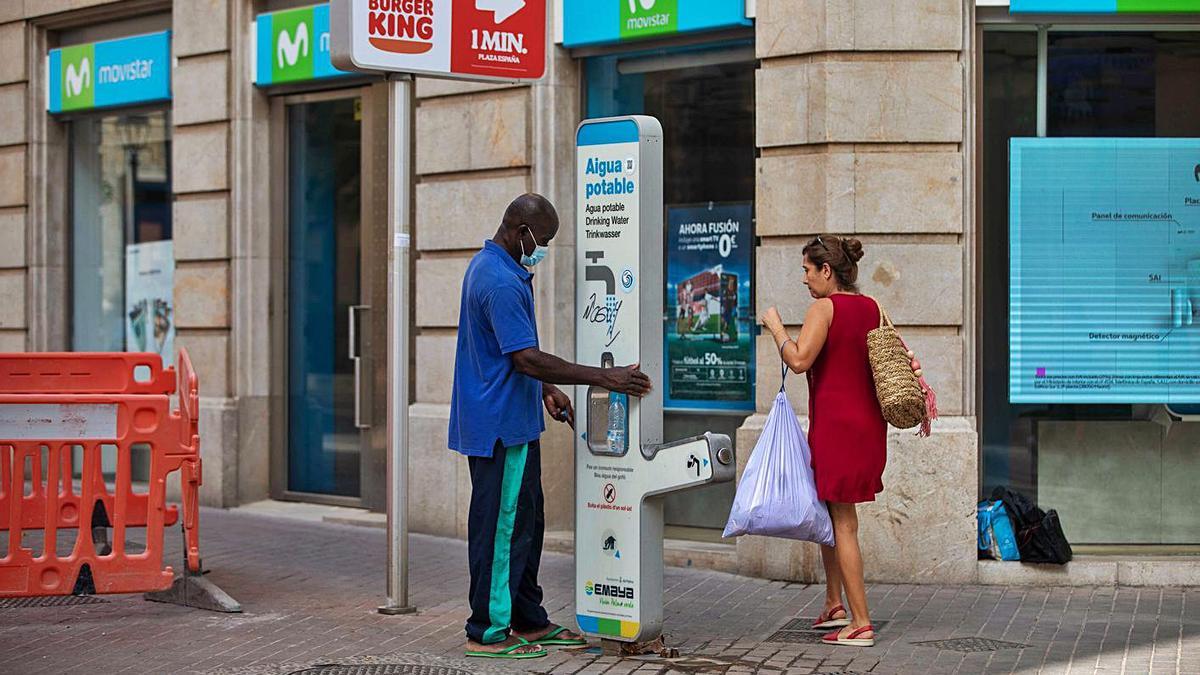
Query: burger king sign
x,y
468,39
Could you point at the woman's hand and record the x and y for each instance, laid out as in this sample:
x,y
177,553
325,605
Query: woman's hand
x,y
771,319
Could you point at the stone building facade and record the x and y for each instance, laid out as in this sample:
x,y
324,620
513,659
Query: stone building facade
x,y
865,121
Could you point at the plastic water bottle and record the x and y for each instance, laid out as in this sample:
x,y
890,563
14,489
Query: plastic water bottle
x,y
616,423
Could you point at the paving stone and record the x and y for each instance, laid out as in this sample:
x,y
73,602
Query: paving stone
x,y
310,591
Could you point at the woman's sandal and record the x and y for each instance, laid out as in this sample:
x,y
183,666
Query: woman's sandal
x,y
511,652
551,639
826,619
851,640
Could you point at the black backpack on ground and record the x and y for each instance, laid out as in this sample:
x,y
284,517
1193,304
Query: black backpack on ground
x,y
1040,537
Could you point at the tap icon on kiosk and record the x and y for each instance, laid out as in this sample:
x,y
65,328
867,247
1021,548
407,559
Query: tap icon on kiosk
x,y
618,492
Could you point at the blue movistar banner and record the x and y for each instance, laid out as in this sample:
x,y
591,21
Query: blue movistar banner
x,y
1105,270
114,72
1103,6
589,22
293,46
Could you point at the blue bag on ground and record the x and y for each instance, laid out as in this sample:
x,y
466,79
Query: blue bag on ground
x,y
777,496
996,536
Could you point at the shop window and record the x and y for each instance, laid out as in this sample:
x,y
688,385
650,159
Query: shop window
x,y
1119,470
704,98
120,196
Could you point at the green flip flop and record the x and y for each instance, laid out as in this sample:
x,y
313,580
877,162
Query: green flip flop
x,y
509,653
551,639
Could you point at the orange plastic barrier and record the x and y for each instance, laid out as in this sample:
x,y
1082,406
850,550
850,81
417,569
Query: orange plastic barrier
x,y
54,405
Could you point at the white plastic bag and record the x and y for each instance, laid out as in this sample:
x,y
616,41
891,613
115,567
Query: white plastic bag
x,y
777,496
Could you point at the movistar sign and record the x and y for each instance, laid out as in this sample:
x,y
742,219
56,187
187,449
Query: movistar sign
x,y
114,72
293,46
589,22
1103,6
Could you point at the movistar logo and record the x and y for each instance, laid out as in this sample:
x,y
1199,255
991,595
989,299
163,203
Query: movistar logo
x,y
78,79
288,48
78,82
294,45
648,17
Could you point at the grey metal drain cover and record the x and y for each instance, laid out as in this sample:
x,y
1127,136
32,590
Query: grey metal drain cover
x,y
806,625
381,669
797,637
50,601
972,644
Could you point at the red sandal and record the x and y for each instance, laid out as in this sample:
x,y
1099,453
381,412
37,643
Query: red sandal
x,y
826,619
851,640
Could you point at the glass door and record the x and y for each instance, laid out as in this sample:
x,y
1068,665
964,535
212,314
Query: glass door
x,y
704,97
122,256
325,324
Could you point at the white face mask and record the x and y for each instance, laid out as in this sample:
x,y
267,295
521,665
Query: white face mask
x,y
539,252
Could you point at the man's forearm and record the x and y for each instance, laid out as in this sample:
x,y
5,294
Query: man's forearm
x,y
551,369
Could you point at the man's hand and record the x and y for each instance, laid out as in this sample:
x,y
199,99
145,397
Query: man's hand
x,y
558,404
628,380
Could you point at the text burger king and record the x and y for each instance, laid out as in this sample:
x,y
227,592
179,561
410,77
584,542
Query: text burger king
x,y
400,26
471,39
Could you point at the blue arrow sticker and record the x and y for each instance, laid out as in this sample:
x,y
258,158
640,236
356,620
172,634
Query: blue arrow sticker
x,y
618,555
706,463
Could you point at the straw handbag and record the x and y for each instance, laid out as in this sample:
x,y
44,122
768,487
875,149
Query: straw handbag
x,y
906,399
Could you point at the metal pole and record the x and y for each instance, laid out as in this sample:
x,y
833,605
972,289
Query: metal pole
x,y
398,209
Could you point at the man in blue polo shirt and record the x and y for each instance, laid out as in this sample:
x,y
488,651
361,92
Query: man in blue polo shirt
x,y
501,381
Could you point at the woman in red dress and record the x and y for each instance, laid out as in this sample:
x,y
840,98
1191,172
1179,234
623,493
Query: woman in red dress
x,y
846,428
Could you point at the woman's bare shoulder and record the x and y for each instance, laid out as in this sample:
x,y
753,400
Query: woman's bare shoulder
x,y
821,307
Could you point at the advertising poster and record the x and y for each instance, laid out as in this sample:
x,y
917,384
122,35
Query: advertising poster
x,y
149,299
1105,270
709,331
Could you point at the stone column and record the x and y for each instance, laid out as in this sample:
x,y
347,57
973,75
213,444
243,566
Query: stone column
x,y
478,146
14,139
201,178
860,124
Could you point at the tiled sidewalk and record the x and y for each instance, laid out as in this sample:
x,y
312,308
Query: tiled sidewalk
x,y
310,590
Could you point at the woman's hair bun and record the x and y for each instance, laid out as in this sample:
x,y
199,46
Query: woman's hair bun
x,y
853,249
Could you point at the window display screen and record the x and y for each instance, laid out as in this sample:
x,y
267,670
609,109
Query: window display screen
x,y
1104,270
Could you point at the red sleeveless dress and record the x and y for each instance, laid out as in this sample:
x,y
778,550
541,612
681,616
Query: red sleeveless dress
x,y
847,432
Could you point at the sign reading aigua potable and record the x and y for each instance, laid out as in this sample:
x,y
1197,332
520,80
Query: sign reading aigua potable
x,y
464,39
589,22
293,46
114,72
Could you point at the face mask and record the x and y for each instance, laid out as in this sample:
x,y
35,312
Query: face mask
x,y
538,255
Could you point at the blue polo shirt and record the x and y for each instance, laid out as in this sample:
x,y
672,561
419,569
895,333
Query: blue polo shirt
x,y
491,400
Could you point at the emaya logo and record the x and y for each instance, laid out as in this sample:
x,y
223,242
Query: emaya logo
x,y
288,49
